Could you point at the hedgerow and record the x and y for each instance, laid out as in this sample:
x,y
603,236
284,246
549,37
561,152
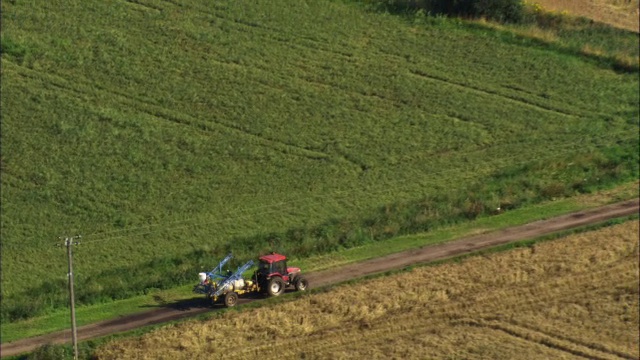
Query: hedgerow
x,y
508,11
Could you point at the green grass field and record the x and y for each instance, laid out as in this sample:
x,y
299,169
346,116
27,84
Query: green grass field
x,y
159,129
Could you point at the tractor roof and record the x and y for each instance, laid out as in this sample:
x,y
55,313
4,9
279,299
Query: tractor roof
x,y
271,258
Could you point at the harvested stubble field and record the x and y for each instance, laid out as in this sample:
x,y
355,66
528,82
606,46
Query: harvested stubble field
x,y
620,13
575,297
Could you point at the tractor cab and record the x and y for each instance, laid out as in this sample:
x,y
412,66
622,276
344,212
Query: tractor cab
x,y
273,275
276,265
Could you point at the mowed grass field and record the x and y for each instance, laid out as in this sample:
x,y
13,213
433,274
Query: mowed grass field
x,y
157,129
574,297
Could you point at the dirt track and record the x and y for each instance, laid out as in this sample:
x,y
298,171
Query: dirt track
x,y
334,276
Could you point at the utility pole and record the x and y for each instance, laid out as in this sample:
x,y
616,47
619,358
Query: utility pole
x,y
69,242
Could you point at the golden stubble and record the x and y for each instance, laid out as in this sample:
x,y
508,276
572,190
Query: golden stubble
x,y
567,298
620,13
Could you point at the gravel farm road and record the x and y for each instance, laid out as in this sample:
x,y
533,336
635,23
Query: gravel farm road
x,y
390,262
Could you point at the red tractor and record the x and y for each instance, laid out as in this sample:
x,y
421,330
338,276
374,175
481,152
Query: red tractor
x,y
273,276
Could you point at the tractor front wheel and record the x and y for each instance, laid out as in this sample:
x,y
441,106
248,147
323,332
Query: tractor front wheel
x,y
275,286
301,283
230,299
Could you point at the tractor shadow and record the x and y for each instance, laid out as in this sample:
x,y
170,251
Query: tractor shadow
x,y
196,302
200,302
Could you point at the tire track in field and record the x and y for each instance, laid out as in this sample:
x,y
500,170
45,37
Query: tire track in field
x,y
398,103
161,112
299,43
533,294
287,78
264,31
330,86
310,77
281,146
423,75
143,5
273,34
545,294
84,89
267,33
351,57
282,79
591,346
151,6
181,118
292,44
333,343
174,3
277,145
538,337
575,112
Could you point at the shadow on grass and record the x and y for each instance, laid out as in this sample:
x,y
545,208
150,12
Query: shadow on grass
x,y
202,303
195,302
608,60
577,36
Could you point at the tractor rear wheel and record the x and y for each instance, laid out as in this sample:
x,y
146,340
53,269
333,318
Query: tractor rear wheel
x,y
301,283
275,286
230,299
